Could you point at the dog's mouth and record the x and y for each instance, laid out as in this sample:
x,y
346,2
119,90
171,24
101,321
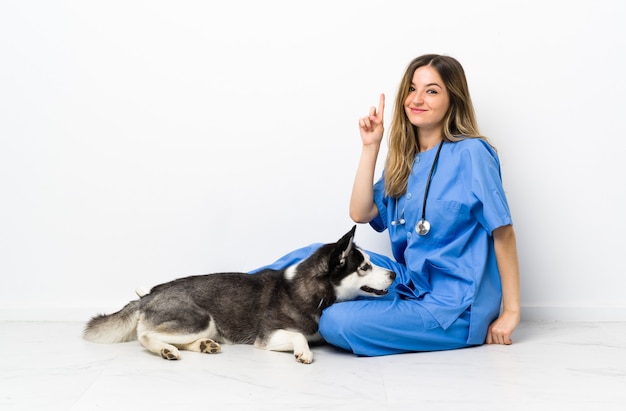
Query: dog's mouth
x,y
374,291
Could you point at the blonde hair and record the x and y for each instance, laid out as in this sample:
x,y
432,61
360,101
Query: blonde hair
x,y
459,121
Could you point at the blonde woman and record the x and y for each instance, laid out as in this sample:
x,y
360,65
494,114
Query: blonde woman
x,y
442,202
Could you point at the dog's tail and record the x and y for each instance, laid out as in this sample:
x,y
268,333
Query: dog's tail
x,y
114,328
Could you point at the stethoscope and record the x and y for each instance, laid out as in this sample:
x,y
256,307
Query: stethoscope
x,y
423,226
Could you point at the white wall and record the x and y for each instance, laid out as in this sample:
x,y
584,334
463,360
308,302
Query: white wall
x,y
145,140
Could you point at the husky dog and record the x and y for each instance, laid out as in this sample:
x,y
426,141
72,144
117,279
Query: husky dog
x,y
275,310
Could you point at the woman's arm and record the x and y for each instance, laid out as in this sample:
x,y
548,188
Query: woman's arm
x,y
506,255
362,206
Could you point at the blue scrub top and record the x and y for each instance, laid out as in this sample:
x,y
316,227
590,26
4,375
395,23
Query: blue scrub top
x,y
453,267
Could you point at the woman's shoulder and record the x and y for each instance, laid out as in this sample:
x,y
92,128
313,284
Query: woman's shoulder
x,y
475,152
475,147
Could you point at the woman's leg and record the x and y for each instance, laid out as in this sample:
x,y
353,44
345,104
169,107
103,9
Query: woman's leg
x,y
290,258
389,325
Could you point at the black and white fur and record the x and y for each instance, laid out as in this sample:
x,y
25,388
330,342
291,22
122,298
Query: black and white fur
x,y
275,310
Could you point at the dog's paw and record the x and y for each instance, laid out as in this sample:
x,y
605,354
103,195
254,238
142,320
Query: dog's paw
x,y
209,346
170,354
305,357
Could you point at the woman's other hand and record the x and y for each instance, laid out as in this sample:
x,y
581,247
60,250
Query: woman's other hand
x,y
500,330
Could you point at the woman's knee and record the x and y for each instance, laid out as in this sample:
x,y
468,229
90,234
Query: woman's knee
x,y
332,326
342,326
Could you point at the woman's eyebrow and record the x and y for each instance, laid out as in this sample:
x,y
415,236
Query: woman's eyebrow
x,y
428,85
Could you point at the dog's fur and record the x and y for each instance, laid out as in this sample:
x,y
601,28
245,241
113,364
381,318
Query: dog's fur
x,y
274,310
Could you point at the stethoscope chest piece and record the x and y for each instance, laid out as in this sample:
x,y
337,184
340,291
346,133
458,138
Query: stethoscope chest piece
x,y
422,227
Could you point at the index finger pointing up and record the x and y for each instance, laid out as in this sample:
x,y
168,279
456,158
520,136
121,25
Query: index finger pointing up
x,y
381,105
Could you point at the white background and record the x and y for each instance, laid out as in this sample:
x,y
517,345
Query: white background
x,y
141,141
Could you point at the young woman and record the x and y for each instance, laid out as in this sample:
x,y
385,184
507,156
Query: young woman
x,y
442,201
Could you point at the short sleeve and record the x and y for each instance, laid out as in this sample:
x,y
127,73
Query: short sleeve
x,y
483,176
380,222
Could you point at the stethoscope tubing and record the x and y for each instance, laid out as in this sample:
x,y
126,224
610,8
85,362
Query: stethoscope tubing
x,y
430,177
423,226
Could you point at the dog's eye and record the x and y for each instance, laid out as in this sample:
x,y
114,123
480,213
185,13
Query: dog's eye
x,y
365,267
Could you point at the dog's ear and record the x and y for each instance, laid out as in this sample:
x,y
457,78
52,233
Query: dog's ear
x,y
342,248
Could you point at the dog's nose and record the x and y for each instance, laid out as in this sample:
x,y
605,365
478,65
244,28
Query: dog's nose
x,y
392,275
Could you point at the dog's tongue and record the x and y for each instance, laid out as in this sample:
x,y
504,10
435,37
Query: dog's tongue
x,y
373,290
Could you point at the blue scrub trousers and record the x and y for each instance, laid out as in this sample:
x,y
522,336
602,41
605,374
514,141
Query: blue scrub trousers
x,y
389,325
383,325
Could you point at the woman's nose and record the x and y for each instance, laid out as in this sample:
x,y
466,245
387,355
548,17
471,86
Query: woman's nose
x,y
417,98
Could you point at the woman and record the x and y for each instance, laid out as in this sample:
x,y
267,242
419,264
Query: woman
x,y
442,201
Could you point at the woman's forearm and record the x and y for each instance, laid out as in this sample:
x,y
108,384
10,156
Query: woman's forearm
x,y
505,246
362,207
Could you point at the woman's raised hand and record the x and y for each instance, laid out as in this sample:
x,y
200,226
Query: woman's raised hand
x,y
371,126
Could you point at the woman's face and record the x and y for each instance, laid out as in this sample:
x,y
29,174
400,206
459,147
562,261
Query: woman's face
x,y
427,102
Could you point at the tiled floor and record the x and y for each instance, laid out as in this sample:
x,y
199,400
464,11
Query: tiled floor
x,y
563,366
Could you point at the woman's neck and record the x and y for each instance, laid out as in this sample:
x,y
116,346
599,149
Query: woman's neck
x,y
426,143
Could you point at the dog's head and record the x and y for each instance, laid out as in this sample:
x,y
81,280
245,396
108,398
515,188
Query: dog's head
x,y
353,274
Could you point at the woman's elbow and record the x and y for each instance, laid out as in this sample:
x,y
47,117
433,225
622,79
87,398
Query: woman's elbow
x,y
363,216
358,219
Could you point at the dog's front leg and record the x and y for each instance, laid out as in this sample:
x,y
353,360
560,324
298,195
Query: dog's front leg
x,y
283,340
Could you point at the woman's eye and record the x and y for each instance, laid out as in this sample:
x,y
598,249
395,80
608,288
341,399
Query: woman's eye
x,y
431,91
411,89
